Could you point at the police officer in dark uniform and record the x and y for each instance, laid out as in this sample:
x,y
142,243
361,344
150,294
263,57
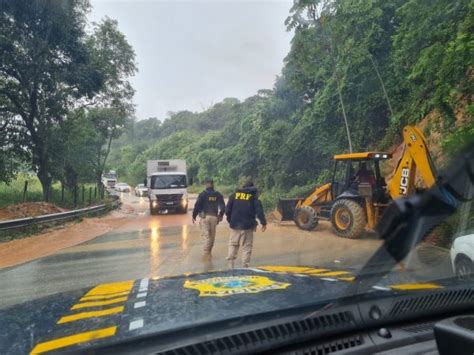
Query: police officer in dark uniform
x,y
242,208
210,207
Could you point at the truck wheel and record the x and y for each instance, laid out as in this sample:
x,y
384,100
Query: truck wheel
x,y
348,219
306,218
153,211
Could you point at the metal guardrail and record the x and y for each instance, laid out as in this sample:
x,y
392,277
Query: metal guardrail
x,y
21,223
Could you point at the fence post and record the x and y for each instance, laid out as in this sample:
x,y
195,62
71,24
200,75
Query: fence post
x,y
62,193
75,196
24,190
47,193
95,193
90,195
83,192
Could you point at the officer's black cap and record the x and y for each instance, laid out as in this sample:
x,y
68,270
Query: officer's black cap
x,y
209,180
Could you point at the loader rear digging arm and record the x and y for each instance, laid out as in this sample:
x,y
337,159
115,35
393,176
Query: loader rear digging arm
x,y
415,156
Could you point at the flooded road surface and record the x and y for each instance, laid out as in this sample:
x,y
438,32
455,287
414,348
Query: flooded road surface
x,y
155,246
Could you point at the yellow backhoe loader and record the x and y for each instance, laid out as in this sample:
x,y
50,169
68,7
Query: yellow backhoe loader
x,y
357,194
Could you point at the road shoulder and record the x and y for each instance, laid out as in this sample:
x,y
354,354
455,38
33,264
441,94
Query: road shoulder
x,y
50,241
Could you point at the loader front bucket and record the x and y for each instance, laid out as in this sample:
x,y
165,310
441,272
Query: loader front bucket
x,y
286,208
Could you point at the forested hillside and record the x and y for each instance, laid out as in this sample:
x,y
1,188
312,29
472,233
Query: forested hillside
x,y
356,73
378,64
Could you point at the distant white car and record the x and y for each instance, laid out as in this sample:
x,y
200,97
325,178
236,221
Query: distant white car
x,y
141,190
462,256
122,187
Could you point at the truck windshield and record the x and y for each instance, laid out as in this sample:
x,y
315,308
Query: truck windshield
x,y
168,181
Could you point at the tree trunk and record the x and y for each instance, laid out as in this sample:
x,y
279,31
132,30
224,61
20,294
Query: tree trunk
x,y
101,163
45,181
39,146
106,155
382,84
98,166
40,160
98,178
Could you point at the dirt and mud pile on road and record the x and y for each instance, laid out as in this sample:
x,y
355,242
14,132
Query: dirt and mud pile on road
x,y
28,209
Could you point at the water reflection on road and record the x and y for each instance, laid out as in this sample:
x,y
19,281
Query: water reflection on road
x,y
154,248
184,238
163,245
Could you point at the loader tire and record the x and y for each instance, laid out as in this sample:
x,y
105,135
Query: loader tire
x,y
306,218
348,219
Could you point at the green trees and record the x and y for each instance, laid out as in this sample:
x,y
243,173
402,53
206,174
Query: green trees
x,y
356,72
76,145
10,156
434,55
45,68
375,65
51,73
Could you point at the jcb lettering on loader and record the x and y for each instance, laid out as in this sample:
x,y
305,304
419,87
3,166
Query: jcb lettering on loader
x,y
404,180
355,200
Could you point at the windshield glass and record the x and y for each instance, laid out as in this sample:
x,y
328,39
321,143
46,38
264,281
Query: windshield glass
x,y
267,154
168,181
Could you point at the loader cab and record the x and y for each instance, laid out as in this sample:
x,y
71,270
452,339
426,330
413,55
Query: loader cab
x,y
350,170
353,198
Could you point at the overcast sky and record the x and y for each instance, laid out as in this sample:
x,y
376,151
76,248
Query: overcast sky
x,y
192,54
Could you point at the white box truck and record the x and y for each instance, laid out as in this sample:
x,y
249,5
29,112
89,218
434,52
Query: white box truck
x,y
109,179
167,183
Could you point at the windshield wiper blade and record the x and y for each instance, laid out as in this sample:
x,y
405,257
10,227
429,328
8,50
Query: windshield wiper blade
x,y
407,221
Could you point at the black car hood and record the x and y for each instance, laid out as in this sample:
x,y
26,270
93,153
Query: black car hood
x,y
124,310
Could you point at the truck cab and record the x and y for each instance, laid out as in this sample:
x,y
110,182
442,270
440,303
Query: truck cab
x,y
109,179
167,186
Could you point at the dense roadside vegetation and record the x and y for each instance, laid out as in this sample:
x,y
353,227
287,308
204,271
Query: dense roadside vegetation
x,y
64,91
377,65
356,73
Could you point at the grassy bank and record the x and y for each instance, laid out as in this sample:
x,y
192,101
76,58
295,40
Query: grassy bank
x,y
13,193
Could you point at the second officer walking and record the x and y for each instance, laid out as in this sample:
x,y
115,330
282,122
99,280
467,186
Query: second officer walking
x,y
210,207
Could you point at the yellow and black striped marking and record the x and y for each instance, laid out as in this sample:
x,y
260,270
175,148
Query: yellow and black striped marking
x,y
77,338
337,274
101,301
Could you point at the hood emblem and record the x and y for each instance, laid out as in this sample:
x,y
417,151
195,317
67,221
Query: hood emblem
x,y
233,285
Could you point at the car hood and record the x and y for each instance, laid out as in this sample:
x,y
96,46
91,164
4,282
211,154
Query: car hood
x,y
122,310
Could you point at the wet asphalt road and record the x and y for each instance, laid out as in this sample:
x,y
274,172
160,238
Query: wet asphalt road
x,y
164,245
